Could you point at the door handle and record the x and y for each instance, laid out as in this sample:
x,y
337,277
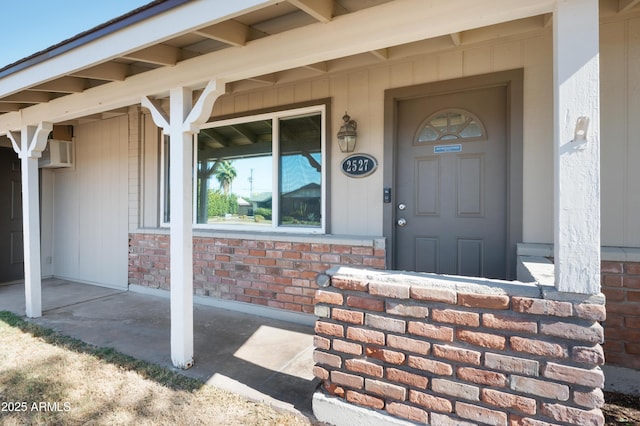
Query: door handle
x,y
402,222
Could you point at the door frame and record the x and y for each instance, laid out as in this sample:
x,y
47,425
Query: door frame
x,y
514,81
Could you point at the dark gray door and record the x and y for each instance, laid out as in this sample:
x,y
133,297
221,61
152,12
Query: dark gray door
x,y
11,245
451,183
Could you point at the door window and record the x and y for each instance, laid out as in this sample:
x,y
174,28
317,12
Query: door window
x,y
450,124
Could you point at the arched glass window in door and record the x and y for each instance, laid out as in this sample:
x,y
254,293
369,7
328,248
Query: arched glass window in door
x,y
450,125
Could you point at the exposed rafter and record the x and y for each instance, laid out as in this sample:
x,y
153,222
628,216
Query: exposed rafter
x,y
159,54
322,10
109,71
63,85
245,133
456,38
382,54
321,67
8,107
267,78
27,97
115,112
229,32
624,5
337,39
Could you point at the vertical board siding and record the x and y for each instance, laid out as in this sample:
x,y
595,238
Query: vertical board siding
x,y
91,206
632,194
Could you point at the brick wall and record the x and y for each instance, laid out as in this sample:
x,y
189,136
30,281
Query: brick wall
x,y
621,286
433,350
279,274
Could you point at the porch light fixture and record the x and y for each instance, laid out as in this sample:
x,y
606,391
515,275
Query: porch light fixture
x,y
347,134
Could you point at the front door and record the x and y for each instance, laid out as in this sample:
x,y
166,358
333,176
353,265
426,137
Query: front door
x,y
11,245
450,214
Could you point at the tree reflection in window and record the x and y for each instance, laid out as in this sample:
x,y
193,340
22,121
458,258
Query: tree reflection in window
x,y
450,125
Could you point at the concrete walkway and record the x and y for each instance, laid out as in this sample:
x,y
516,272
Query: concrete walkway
x,y
260,358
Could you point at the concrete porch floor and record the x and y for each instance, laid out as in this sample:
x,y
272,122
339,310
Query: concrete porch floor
x,y
260,358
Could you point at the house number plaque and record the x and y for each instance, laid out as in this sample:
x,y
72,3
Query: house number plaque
x,y
359,165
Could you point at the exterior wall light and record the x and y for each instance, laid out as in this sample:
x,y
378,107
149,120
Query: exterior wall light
x,y
347,134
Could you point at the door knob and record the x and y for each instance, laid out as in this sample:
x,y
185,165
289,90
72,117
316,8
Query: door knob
x,y
402,206
402,222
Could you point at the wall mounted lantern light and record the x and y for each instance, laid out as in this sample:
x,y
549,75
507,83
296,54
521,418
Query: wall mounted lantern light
x,y
347,134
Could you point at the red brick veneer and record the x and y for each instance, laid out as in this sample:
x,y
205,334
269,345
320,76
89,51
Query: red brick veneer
x,y
279,274
621,286
435,355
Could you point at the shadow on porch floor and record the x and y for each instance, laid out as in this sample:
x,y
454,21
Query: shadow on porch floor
x,y
260,358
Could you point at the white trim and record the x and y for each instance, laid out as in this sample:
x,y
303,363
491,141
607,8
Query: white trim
x,y
232,305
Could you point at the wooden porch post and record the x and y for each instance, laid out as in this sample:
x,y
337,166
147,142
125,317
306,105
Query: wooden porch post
x,y
29,145
181,124
576,146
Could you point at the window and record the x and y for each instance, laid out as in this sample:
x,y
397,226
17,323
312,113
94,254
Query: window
x,y
264,172
450,125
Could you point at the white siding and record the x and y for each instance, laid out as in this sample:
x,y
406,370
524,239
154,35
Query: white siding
x,y
91,206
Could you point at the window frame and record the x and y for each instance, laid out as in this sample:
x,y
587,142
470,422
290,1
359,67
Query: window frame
x,y
275,116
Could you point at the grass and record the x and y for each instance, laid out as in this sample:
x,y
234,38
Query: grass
x,y
50,379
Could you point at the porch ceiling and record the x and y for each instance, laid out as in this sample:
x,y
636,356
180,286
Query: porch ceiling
x,y
260,20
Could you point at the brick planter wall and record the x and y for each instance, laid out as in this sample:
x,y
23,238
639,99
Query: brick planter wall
x,y
279,274
621,286
446,352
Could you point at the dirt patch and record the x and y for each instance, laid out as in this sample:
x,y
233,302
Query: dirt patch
x,y
50,379
621,410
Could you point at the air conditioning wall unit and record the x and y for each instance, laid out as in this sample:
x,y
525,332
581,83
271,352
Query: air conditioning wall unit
x,y
57,154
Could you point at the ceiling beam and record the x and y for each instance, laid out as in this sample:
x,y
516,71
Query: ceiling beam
x,y
108,71
230,32
321,10
63,85
624,5
159,54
